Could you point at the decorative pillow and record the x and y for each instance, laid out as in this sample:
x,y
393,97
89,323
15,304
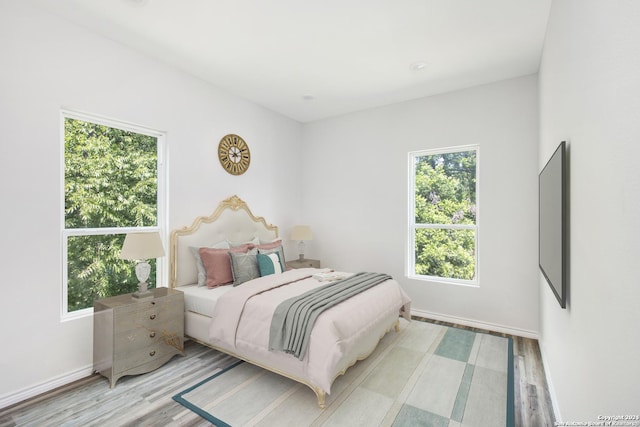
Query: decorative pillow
x,y
269,264
253,242
244,267
217,265
278,250
202,274
269,245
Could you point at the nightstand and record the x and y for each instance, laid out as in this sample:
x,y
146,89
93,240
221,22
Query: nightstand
x,y
134,336
304,263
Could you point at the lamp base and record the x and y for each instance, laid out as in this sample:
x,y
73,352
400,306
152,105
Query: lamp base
x,y
301,250
142,292
142,295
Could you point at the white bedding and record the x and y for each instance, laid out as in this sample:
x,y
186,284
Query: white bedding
x,y
342,334
202,300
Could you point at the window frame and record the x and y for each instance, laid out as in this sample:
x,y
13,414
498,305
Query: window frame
x,y
413,226
161,204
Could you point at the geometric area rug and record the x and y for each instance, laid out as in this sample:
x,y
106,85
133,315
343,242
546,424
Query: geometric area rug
x,y
425,375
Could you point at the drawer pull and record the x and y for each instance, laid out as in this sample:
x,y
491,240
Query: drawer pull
x,y
153,303
153,316
153,353
152,334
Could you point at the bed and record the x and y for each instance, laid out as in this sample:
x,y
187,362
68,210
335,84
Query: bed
x,y
342,335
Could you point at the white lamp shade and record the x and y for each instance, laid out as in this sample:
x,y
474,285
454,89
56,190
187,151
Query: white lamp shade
x,y
301,232
142,246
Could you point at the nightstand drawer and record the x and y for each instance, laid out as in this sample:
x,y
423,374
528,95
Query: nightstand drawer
x,y
144,335
148,318
132,359
149,307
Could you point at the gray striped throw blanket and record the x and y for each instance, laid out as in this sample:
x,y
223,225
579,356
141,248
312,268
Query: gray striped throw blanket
x,y
294,318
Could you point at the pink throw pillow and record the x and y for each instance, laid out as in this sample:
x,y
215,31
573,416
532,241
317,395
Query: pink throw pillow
x,y
270,245
217,264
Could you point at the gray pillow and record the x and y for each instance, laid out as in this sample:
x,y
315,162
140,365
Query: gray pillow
x,y
244,267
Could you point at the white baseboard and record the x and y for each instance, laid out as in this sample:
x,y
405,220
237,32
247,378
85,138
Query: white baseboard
x,y
552,393
29,392
476,324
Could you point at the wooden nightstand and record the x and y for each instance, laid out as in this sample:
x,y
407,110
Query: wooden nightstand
x,y
304,263
132,336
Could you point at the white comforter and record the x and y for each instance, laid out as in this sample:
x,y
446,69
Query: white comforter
x,y
343,334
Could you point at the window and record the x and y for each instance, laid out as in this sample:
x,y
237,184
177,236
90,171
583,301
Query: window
x,y
113,184
443,224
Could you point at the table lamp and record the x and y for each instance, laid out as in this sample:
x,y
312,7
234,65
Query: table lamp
x,y
141,247
301,233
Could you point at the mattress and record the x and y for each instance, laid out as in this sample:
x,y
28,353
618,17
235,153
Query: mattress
x,y
202,300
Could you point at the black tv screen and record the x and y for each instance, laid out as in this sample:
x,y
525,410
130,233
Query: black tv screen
x,y
552,243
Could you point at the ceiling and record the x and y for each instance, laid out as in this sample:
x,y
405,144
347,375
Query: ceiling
x,y
313,59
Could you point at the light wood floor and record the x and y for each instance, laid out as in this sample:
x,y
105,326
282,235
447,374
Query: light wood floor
x,y
145,400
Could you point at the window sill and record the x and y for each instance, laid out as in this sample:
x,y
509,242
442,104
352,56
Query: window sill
x,y
78,314
466,283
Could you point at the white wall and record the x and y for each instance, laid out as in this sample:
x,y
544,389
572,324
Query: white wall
x,y
355,196
48,64
590,96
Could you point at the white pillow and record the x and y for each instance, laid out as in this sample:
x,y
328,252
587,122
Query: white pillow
x,y
254,241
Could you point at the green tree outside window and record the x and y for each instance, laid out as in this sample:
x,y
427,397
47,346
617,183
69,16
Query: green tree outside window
x,y
444,229
110,187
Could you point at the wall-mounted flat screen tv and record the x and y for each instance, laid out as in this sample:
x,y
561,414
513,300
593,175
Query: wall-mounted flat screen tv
x,y
553,225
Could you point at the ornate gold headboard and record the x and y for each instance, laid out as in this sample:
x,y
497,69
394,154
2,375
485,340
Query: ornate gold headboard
x,y
232,220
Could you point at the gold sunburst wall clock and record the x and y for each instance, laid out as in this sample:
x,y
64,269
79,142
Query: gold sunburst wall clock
x,y
234,154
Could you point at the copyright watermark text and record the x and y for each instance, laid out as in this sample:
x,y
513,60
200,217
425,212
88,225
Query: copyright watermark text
x,y
605,421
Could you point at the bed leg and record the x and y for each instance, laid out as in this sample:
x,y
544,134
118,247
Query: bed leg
x,y
321,398
396,326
